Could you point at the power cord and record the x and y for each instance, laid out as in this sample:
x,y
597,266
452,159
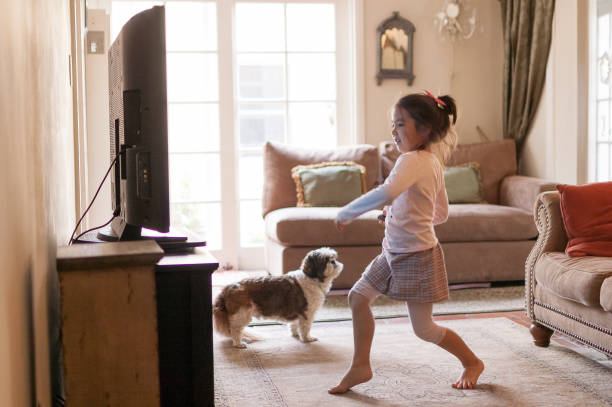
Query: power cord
x,y
94,228
115,213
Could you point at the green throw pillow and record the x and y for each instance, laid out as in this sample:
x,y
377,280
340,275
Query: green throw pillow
x,y
463,184
329,183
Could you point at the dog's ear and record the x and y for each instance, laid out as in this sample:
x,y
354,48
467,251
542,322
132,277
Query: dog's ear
x,y
314,264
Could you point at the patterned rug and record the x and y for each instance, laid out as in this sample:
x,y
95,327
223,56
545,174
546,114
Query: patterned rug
x,y
461,301
278,370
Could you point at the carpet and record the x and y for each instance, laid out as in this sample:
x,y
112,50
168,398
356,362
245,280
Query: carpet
x,y
278,370
461,301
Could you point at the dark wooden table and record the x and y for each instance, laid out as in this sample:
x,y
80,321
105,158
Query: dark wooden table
x,y
184,322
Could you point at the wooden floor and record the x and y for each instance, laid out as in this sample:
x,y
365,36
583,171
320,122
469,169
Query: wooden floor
x,y
222,278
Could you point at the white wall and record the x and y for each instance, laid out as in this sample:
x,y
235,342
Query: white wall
x,y
37,203
470,71
557,143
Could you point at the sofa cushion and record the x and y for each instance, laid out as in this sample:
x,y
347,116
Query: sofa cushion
x,y
466,223
315,227
497,159
463,183
388,155
279,159
328,184
587,216
485,222
576,279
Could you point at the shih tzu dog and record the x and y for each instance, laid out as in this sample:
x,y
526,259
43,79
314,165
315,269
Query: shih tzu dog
x,y
294,298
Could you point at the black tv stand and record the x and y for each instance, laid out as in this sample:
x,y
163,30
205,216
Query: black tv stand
x,y
169,242
186,246
120,230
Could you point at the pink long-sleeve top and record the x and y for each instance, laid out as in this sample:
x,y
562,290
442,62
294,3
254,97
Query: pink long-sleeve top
x,y
418,199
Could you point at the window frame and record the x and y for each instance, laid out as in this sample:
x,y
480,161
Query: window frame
x,y
593,144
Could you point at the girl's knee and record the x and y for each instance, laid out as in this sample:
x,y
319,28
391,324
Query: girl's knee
x,y
423,324
362,291
430,333
356,299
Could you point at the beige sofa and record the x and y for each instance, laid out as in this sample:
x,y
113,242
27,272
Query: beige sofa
x,y
481,242
570,295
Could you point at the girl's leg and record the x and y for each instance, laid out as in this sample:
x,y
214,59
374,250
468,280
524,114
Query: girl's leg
x,y
426,329
363,333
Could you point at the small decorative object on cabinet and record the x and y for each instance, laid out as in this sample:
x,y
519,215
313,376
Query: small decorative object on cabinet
x,y
395,45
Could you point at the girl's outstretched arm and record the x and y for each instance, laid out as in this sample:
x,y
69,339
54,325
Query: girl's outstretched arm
x,y
405,173
371,200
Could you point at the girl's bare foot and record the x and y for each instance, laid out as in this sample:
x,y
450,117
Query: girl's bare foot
x,y
470,375
354,376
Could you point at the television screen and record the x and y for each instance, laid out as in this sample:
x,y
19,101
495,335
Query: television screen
x,y
139,126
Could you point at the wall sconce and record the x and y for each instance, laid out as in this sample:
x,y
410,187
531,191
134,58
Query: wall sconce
x,y
452,20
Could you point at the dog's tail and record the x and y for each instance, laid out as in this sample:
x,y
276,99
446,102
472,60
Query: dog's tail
x,y
220,318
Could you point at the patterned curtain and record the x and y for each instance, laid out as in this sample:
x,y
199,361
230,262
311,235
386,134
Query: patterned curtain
x,y
527,26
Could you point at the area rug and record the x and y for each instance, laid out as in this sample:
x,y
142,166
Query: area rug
x,y
278,370
462,301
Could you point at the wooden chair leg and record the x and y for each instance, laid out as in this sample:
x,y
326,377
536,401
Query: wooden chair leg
x,y
541,334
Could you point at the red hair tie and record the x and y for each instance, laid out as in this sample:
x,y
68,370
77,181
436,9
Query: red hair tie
x,y
438,101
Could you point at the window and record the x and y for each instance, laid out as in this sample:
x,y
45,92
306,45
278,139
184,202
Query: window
x,y
600,143
239,74
286,91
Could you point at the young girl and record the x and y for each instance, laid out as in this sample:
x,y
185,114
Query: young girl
x,y
411,265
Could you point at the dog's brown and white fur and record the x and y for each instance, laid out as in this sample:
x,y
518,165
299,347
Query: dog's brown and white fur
x,y
294,297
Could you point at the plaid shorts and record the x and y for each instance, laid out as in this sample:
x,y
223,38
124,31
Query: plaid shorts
x,y
413,277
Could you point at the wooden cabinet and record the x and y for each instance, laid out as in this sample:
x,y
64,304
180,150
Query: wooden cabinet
x,y
136,325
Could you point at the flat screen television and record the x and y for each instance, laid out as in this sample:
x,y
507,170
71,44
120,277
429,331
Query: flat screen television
x,y
138,124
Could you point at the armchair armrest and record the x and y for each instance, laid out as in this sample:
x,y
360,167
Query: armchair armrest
x,y
551,238
521,192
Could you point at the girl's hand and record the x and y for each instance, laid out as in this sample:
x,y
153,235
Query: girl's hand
x,y
339,225
381,218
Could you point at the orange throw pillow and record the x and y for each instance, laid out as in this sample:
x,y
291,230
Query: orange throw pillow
x,y
587,216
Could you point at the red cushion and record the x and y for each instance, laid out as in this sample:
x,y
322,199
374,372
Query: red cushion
x,y
587,216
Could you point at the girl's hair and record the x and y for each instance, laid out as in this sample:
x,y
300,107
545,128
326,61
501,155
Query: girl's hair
x,y
434,114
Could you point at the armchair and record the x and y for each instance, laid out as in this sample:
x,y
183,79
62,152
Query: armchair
x,y
570,295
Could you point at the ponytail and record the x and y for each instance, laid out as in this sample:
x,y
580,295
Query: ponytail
x,y
448,141
450,107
